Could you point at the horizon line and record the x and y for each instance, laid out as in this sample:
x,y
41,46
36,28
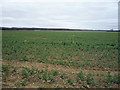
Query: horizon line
x,y
57,28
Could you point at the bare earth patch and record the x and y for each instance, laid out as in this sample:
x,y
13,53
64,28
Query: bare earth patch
x,y
55,66
15,80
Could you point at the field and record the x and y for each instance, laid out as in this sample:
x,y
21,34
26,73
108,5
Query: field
x,y
60,59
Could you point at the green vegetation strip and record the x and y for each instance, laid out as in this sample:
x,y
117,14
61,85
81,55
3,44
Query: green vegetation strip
x,y
81,49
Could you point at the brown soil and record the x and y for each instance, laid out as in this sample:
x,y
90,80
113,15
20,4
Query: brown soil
x,y
67,69
70,71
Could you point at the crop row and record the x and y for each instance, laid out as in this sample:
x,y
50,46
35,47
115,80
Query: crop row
x,y
29,75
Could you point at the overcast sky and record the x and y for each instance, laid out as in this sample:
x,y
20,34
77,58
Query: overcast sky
x,y
80,14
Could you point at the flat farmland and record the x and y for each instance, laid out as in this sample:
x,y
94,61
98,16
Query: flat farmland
x,y
60,59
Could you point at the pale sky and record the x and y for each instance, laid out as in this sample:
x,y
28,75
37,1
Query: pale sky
x,y
78,14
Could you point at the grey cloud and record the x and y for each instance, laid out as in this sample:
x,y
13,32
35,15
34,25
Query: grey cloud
x,y
92,15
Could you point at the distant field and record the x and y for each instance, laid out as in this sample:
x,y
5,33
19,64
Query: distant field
x,y
60,59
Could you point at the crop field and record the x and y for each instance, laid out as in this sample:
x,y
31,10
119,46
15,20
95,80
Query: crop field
x,y
60,59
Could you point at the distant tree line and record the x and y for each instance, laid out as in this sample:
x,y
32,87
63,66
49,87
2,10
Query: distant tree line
x,y
56,29
16,28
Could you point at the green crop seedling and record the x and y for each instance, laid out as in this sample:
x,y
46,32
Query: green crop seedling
x,y
60,59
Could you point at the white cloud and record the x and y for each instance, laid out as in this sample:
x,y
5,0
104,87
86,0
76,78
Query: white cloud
x,y
62,14
60,0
